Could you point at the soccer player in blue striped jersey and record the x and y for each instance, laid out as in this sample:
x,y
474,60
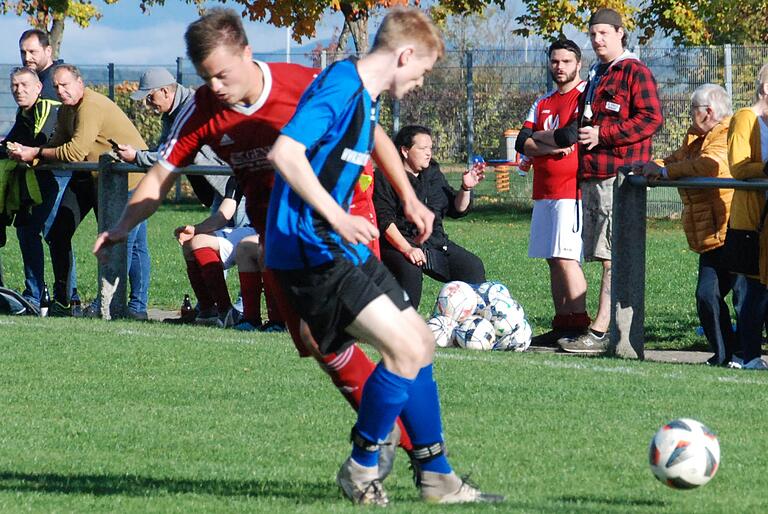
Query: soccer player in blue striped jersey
x,y
317,249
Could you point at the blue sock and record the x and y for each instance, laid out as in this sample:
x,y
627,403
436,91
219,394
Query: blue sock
x,y
384,394
421,417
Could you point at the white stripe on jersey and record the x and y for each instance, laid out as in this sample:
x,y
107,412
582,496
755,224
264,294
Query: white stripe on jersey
x,y
173,136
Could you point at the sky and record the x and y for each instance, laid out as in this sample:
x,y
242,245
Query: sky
x,y
126,36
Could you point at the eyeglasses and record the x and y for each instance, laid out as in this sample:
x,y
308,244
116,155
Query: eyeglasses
x,y
699,106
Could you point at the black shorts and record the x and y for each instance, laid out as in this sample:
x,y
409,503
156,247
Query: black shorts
x,y
329,297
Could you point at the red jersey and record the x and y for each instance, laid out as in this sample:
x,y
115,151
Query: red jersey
x,y
554,178
362,203
241,135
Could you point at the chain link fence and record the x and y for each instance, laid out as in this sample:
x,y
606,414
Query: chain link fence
x,y
471,98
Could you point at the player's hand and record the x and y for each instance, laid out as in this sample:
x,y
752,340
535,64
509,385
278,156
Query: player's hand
x,y
184,233
126,153
415,256
355,229
589,136
105,241
562,152
418,214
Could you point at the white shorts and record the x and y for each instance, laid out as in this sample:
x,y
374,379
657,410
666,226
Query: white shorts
x,y
228,239
556,230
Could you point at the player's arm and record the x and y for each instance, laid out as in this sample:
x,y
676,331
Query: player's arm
x,y
288,157
212,223
386,156
146,199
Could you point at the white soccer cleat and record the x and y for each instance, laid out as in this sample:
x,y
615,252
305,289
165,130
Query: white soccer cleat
x,y
449,488
361,484
388,452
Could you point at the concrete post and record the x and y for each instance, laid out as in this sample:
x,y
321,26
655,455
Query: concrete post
x,y
113,272
627,330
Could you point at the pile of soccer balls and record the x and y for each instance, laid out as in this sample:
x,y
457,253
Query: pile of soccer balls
x,y
486,318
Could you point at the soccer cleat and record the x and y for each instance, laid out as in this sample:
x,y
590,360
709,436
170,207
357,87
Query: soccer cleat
x,y
587,343
388,451
137,315
246,326
209,318
232,318
361,484
59,310
446,488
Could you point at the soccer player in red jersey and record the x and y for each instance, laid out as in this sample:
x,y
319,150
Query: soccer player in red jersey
x,y
239,113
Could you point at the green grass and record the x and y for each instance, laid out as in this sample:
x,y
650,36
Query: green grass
x,y
130,417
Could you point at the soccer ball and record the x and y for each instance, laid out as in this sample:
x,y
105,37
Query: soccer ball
x,y
442,328
490,291
475,333
481,309
506,316
456,300
684,454
517,341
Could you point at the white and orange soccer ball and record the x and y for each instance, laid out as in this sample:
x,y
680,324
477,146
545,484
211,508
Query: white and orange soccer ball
x,y
684,454
456,300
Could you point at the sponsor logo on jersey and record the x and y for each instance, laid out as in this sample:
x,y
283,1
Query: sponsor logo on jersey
x,y
254,157
226,140
552,122
355,157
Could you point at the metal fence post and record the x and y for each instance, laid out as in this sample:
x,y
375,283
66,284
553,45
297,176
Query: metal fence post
x,y
113,271
395,116
179,70
179,77
111,79
323,59
728,63
628,269
470,110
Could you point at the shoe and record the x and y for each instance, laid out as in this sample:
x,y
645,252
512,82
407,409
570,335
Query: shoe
x,y
232,318
136,315
361,484
59,310
246,326
756,363
449,488
210,318
587,343
550,339
92,310
388,452
272,326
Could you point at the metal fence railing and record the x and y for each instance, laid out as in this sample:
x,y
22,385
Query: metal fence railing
x,y
471,97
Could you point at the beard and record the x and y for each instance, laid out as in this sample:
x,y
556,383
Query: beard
x,y
568,78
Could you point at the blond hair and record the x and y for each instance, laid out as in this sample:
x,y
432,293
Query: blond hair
x,y
408,25
762,78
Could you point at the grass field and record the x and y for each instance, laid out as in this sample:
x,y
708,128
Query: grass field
x,y
145,417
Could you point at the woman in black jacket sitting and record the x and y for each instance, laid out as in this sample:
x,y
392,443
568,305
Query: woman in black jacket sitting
x,y
438,257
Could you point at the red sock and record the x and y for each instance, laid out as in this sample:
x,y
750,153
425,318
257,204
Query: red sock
x,y
349,370
250,289
204,299
212,271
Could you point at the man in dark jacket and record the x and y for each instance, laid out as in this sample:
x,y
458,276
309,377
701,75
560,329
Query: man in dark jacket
x,y
35,121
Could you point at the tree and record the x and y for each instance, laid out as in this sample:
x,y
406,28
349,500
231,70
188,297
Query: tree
x,y
548,18
702,22
50,15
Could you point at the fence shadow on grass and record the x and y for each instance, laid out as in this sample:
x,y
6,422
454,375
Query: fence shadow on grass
x,y
602,503
132,485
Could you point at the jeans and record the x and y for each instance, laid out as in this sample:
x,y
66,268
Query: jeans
x,y
139,265
713,285
29,229
751,316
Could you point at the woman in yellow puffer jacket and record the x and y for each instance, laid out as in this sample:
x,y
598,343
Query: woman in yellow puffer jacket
x,y
704,153
747,139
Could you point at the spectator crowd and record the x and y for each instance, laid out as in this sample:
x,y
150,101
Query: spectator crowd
x,y
578,137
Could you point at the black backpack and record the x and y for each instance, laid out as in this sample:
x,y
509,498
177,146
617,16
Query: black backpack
x,y
13,303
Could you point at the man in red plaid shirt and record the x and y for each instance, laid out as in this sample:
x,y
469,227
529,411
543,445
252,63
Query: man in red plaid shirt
x,y
620,112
